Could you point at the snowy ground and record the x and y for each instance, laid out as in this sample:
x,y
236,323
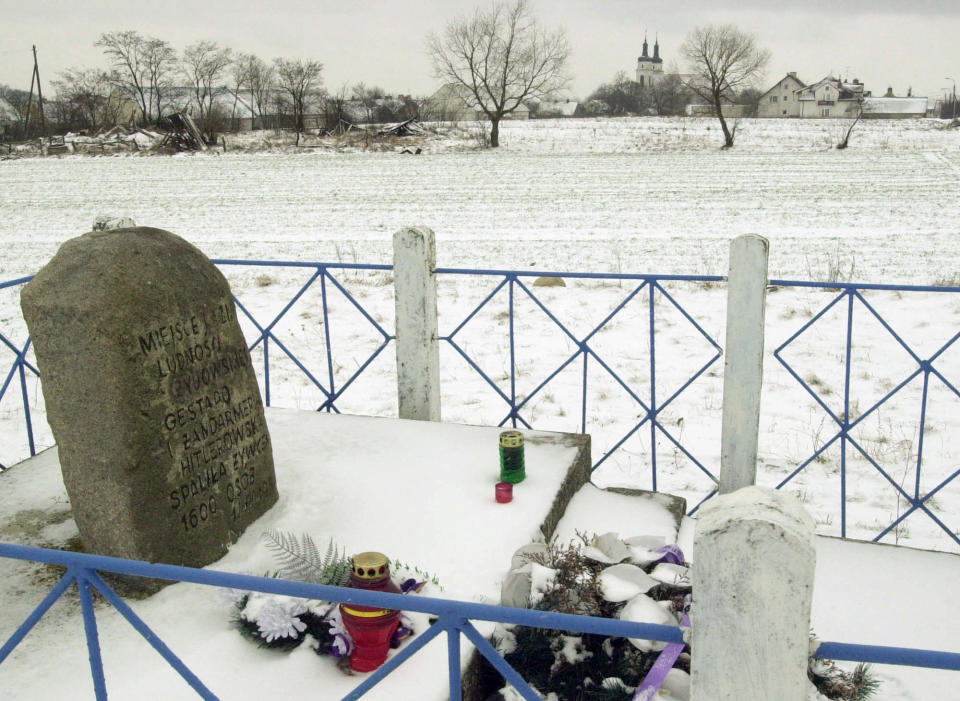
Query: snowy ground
x,y
632,196
312,452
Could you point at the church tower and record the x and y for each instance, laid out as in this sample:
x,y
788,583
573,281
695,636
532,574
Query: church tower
x,y
649,68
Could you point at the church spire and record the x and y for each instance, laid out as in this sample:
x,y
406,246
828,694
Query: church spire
x,y
656,48
645,54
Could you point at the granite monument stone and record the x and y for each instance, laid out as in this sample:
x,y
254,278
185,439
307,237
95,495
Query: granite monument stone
x,y
151,396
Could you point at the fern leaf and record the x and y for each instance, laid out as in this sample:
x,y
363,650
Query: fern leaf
x,y
301,559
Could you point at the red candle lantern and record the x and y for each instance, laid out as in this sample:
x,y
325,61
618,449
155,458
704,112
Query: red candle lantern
x,y
371,628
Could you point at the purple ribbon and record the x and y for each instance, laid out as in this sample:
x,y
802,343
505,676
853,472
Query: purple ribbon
x,y
658,673
399,635
341,645
412,585
671,554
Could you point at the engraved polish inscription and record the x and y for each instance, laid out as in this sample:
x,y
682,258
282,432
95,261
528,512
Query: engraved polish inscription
x,y
213,428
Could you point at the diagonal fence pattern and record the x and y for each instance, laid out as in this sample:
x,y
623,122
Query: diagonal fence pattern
x,y
644,434
850,301
650,291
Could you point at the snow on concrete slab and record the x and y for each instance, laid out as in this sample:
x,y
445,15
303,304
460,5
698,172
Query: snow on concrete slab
x,y
421,492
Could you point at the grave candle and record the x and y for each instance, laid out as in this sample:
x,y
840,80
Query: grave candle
x,y
511,457
371,628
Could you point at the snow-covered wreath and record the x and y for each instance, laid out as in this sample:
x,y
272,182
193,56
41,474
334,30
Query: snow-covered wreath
x,y
641,579
286,622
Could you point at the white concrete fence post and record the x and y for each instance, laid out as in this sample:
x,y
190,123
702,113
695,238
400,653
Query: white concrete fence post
x,y
753,570
743,362
418,348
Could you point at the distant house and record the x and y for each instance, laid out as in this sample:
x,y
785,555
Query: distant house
x,y
8,116
557,108
781,100
831,97
454,103
238,110
894,107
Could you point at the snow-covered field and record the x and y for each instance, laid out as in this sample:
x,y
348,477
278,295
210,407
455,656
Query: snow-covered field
x,y
617,196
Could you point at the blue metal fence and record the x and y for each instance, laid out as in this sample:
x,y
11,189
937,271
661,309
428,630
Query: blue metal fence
x,y
19,369
651,407
645,292
850,297
322,273
453,618
648,290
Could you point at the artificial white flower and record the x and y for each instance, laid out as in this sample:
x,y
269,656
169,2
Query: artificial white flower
x,y
278,618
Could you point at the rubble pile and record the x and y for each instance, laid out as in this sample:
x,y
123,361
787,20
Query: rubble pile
x,y
114,140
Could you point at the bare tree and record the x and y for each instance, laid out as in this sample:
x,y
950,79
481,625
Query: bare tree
x,y
204,63
126,51
161,63
19,100
257,76
668,96
368,97
280,108
262,81
724,60
621,96
749,99
500,57
300,80
334,109
239,79
87,99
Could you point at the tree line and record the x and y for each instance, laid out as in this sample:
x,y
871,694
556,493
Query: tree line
x,y
501,57
496,61
147,79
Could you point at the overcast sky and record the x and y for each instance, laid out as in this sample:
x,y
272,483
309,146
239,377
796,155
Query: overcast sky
x,y
381,42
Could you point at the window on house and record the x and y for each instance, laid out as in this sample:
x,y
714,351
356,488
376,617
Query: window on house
x,y
825,112
784,111
786,97
773,98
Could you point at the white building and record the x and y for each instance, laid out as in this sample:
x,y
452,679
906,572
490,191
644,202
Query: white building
x,y
557,107
894,107
831,97
781,100
650,68
8,116
455,103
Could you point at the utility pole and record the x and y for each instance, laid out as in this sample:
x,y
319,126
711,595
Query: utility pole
x,y
35,78
36,72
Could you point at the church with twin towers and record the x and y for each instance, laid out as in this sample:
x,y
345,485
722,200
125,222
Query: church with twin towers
x,y
650,68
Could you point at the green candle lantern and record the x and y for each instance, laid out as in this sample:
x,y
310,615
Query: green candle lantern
x,y
511,457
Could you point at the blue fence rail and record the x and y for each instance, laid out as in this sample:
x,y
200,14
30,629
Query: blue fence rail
x,y
517,390
453,618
